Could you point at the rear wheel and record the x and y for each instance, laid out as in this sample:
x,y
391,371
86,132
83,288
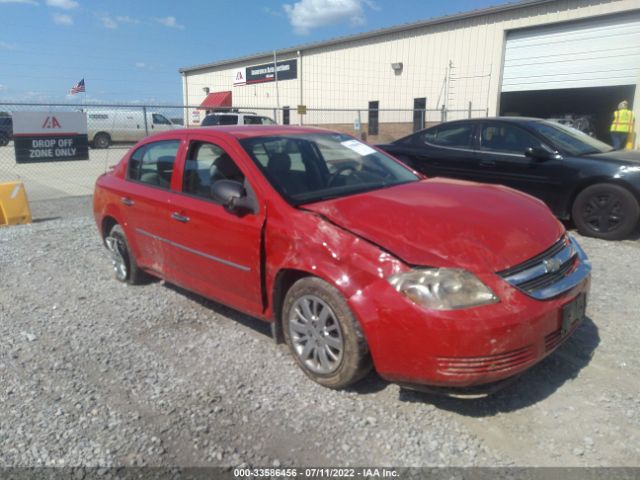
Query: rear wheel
x,y
124,264
324,337
101,140
4,140
605,211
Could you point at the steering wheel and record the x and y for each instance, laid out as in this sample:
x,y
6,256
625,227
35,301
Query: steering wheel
x,y
340,170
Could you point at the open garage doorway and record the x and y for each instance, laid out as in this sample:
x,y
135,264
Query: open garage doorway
x,y
597,104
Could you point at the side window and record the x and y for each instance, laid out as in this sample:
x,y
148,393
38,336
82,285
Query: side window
x,y
252,120
501,137
449,135
207,163
267,121
160,119
152,164
228,120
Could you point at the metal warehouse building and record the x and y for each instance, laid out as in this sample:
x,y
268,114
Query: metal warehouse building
x,y
544,58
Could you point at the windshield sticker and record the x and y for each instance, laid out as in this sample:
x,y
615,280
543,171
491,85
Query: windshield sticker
x,y
358,147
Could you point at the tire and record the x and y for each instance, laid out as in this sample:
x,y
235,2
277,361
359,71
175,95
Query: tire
x,y
606,211
4,140
335,356
124,264
101,140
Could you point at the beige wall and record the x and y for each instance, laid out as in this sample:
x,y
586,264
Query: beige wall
x,y
351,74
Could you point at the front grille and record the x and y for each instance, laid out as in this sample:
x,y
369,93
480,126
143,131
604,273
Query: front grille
x,y
532,262
550,273
488,364
548,278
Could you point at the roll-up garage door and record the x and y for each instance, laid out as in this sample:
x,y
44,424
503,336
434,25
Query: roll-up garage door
x,y
596,53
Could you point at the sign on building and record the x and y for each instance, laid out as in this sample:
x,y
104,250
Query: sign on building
x,y
239,77
50,136
287,70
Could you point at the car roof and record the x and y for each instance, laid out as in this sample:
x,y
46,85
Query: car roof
x,y
512,119
244,131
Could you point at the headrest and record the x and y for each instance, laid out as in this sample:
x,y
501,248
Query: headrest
x,y
279,163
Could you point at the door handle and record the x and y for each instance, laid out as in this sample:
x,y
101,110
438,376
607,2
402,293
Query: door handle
x,y
179,218
487,163
127,201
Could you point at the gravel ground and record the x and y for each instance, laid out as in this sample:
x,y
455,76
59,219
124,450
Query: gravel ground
x,y
95,372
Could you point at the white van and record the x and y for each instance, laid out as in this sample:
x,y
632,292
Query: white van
x,y
105,127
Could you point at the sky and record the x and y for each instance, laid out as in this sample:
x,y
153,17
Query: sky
x,y
129,51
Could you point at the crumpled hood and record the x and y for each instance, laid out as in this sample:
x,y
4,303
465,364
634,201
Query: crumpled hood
x,y
448,223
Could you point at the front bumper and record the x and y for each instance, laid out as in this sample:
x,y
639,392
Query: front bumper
x,y
468,347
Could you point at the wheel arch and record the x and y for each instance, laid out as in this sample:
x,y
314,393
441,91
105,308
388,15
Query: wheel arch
x,y
107,224
283,281
620,182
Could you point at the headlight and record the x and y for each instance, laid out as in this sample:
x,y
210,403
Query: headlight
x,y
443,288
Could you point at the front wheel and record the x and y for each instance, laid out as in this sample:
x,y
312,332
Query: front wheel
x,y
4,140
324,337
605,211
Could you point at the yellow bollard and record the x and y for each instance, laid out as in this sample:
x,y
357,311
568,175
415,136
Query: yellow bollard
x,y
630,141
14,206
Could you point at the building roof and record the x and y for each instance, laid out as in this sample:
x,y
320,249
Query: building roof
x,y
374,33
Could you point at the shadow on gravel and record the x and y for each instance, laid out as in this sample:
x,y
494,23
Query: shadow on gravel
x,y
533,386
239,317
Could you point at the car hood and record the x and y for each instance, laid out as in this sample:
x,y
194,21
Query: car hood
x,y
632,156
448,223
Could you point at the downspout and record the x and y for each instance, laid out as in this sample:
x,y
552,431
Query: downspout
x,y
300,117
186,100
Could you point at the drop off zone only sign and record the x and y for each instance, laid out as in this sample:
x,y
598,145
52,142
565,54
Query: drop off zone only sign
x,y
50,136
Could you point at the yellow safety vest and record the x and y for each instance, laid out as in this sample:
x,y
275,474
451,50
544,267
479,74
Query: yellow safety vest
x,y
622,121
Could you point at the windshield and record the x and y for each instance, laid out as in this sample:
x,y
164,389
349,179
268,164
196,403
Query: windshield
x,y
312,167
569,139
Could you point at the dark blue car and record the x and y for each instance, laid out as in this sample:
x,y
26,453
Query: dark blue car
x,y
578,177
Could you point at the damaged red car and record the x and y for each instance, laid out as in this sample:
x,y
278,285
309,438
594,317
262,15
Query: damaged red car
x,y
356,260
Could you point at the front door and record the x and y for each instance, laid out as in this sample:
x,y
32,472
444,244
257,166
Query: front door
x,y
502,159
215,252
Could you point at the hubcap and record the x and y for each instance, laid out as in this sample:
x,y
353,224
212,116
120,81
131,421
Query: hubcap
x,y
116,247
604,212
315,334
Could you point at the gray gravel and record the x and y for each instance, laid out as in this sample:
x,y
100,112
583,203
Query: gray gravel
x,y
98,373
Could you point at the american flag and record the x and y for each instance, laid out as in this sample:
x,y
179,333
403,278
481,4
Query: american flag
x,y
77,88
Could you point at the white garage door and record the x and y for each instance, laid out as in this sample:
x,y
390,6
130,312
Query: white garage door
x,y
596,53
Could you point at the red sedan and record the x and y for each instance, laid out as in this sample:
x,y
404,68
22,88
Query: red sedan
x,y
355,259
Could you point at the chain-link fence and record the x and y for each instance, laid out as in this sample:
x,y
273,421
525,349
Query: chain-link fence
x,y
112,129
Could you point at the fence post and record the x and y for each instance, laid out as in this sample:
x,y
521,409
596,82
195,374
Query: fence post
x,y
443,114
275,115
470,105
146,125
423,118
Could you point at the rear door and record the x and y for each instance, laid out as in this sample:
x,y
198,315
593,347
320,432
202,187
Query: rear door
x,y
216,252
442,151
146,204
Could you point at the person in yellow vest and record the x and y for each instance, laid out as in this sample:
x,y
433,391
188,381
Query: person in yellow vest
x,y
622,125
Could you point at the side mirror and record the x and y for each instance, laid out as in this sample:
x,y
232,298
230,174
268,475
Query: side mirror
x,y
538,153
232,195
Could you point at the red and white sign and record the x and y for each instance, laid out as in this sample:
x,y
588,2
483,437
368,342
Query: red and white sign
x,y
239,77
49,123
